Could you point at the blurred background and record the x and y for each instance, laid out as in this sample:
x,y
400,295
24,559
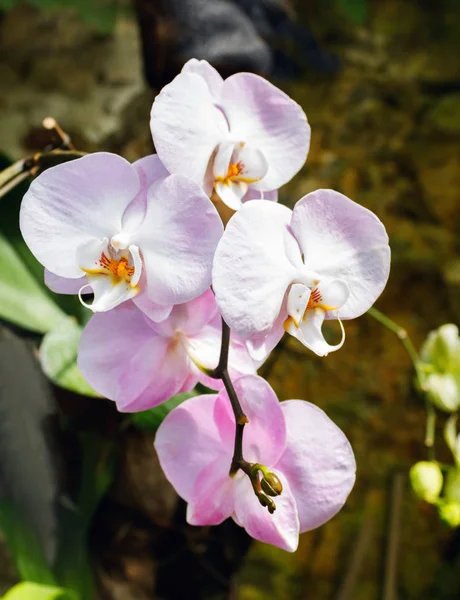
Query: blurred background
x,y
83,503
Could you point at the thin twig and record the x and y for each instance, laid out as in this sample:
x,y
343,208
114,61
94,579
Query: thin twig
x,y
8,174
13,183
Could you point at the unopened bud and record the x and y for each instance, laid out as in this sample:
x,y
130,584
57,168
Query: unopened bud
x,y
443,391
442,347
452,488
267,502
449,512
271,484
426,480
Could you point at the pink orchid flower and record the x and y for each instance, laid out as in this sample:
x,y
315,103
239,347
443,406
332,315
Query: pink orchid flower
x,y
232,136
277,269
122,231
138,363
294,439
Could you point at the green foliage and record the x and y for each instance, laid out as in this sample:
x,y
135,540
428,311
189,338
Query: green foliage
x,y
150,420
99,14
34,591
24,546
58,357
22,300
356,10
73,568
7,4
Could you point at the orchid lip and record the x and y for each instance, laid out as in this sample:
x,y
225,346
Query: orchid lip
x,y
112,274
307,310
236,166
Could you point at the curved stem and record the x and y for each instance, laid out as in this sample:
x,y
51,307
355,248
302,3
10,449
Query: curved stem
x,y
408,345
221,372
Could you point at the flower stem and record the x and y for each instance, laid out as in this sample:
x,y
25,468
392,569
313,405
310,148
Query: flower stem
x,y
221,372
400,332
408,345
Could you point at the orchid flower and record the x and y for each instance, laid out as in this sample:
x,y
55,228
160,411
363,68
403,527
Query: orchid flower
x,y
231,136
277,269
137,363
295,440
97,221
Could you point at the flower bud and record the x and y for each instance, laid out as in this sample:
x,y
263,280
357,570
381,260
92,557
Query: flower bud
x,y
426,480
442,347
452,489
443,391
449,512
267,503
271,484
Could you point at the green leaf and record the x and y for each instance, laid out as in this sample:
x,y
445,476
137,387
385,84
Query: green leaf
x,y
24,546
29,486
356,10
150,420
22,300
34,591
58,357
73,565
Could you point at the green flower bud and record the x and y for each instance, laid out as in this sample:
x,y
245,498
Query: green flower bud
x,y
426,480
271,484
452,488
449,512
442,348
443,391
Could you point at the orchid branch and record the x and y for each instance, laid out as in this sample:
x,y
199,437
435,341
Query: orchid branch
x,y
269,484
221,372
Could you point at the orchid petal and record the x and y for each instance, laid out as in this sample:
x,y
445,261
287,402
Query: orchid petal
x,y
318,461
178,238
204,351
252,271
259,347
253,194
297,302
343,240
155,312
192,316
74,202
280,528
334,293
212,495
208,73
222,159
310,335
107,294
252,162
149,169
63,285
266,118
187,441
187,126
123,359
231,193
